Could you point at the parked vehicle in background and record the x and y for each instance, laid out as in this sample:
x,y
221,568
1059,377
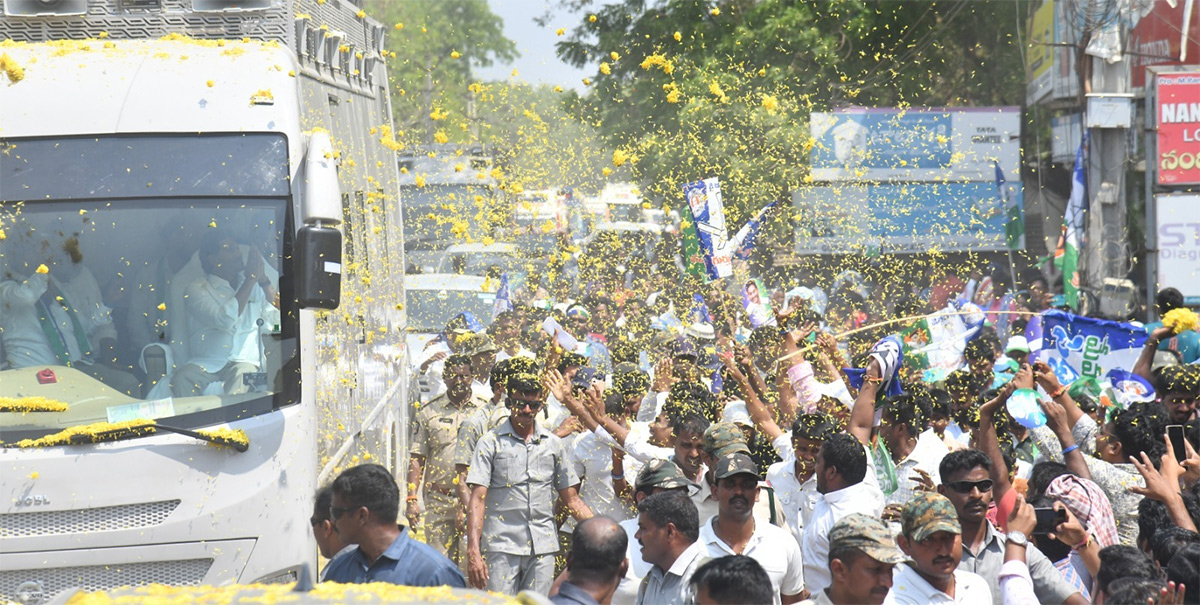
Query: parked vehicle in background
x,y
433,300
450,195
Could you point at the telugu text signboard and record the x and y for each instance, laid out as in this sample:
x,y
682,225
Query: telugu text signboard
x,y
1178,110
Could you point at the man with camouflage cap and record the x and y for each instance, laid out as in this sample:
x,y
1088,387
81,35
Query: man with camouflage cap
x,y
656,477
736,531
719,440
931,537
862,554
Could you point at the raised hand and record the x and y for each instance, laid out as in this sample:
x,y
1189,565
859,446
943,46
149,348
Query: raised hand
x,y
664,376
1045,377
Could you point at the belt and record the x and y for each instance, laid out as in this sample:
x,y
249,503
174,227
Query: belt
x,y
445,490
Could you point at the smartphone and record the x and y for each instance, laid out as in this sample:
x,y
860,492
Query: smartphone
x,y
1176,435
1048,519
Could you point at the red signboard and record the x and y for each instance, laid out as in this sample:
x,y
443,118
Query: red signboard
x,y
1158,39
1178,107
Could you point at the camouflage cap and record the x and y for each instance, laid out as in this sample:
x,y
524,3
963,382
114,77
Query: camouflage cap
x,y
661,473
868,534
737,463
480,343
926,514
723,438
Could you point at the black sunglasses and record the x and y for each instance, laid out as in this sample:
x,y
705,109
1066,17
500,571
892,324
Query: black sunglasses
x,y
520,403
965,487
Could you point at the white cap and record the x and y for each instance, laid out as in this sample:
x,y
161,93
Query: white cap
x,y
1017,343
736,412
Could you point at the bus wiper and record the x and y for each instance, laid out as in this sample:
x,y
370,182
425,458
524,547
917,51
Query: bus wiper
x,y
139,430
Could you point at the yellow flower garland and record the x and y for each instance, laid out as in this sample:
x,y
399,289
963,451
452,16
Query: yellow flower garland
x,y
227,436
324,592
26,405
89,430
1181,320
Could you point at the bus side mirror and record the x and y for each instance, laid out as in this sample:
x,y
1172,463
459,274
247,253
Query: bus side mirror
x,y
318,267
319,243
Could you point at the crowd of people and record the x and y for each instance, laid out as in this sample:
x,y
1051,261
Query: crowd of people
x,y
656,447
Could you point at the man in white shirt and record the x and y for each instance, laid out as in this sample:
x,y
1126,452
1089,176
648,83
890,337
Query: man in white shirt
x,y
668,529
58,318
506,332
915,451
658,476
482,350
794,478
226,322
734,531
931,536
842,469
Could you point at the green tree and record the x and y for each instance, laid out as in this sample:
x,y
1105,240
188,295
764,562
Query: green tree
x,y
436,44
687,89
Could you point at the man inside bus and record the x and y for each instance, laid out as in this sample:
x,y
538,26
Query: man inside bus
x,y
56,316
228,310
364,509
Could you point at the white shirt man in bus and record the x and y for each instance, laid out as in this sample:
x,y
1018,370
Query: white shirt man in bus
x,y
226,321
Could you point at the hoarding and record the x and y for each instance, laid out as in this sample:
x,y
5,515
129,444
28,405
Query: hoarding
x,y
1158,39
1040,54
1177,106
894,180
1178,228
887,144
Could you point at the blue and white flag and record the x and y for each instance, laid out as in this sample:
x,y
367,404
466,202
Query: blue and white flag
x,y
743,241
503,300
1084,347
889,352
708,216
1128,387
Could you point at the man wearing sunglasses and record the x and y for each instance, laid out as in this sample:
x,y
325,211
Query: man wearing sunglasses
x,y
518,471
967,484
364,509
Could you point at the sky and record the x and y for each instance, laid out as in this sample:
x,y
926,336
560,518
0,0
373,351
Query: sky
x,y
537,63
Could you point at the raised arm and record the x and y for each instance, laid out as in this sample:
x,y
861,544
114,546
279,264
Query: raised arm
x,y
758,412
1146,358
986,440
1046,378
862,417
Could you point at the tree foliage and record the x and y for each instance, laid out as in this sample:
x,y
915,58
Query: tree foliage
x,y
686,89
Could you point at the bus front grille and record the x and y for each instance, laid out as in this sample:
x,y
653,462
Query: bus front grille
x,y
33,586
85,520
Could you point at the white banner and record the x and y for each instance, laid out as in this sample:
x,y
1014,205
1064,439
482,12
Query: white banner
x,y
1179,244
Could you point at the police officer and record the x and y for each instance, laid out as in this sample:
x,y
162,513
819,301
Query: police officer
x,y
431,457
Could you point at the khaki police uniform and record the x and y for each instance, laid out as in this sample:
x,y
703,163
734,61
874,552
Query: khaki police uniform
x,y
435,436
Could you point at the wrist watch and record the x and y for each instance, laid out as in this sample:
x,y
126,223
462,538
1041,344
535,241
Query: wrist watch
x,y
1017,538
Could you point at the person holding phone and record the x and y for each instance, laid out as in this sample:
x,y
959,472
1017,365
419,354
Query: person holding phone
x,y
967,483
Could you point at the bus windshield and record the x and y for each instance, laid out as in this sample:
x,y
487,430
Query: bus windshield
x,y
141,277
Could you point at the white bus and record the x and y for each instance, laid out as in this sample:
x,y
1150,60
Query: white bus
x,y
155,154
